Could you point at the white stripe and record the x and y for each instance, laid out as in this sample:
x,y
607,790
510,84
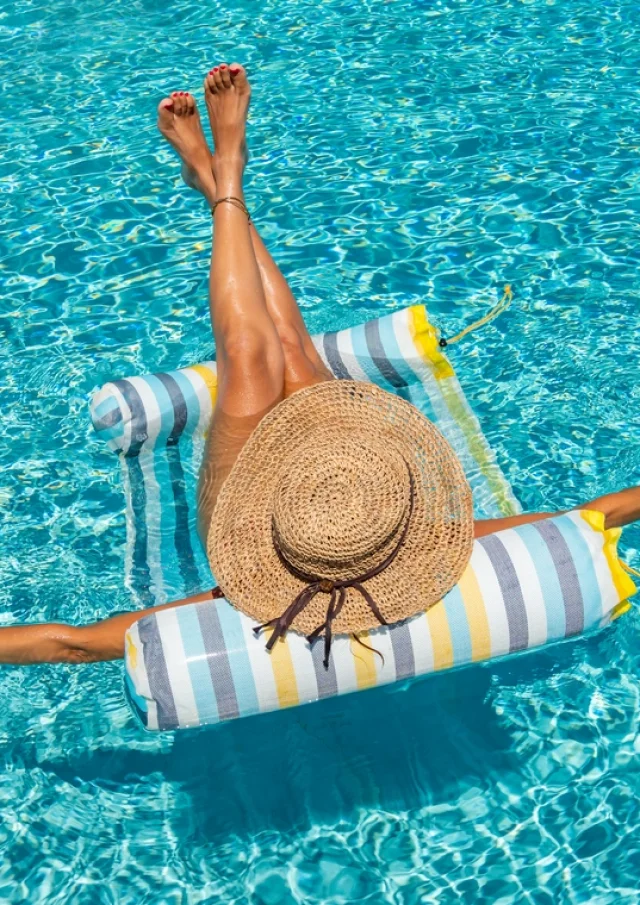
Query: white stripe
x,y
152,411
421,644
594,539
104,393
303,667
343,651
130,526
344,342
261,668
125,442
152,717
380,639
155,513
318,342
530,585
177,668
493,600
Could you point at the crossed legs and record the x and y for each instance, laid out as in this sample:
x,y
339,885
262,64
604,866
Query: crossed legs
x,y
263,349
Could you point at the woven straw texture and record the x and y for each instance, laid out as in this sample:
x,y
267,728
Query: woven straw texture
x,y
327,472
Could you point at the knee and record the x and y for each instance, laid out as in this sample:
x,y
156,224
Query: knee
x,y
290,340
252,352
301,363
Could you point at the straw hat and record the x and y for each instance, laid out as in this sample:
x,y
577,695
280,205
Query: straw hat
x,y
346,509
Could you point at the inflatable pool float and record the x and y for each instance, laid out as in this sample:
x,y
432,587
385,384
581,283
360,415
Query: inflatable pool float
x,y
202,664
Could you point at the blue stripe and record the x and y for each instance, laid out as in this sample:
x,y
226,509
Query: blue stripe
x,y
197,664
108,410
334,358
567,575
549,582
381,355
191,401
140,573
361,351
392,349
587,578
110,433
458,627
138,419
157,673
239,662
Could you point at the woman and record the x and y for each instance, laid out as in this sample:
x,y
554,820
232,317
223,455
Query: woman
x,y
269,372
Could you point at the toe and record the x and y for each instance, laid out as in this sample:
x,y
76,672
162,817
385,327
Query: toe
x,y
217,77
190,103
177,103
224,75
210,83
165,111
238,75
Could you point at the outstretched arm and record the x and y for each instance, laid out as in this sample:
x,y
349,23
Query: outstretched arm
x,y
619,509
58,643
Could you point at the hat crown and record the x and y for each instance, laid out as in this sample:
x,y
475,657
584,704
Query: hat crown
x,y
338,511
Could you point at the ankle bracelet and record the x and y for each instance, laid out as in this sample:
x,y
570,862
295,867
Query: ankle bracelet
x,y
237,202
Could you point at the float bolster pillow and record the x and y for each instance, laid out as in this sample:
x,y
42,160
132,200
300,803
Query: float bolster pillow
x,y
201,664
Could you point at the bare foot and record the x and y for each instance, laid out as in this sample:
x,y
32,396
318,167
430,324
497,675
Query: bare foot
x,y
227,94
179,122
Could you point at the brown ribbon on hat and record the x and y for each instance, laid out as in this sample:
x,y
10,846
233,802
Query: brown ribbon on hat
x,y
337,590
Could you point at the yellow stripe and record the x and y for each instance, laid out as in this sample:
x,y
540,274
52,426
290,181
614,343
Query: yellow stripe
x,y
284,674
425,339
209,378
440,636
363,661
132,650
620,609
476,615
623,584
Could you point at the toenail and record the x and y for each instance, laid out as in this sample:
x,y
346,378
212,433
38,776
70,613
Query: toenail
x,y
234,71
168,106
223,66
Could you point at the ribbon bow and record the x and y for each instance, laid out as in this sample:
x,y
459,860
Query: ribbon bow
x,y
337,589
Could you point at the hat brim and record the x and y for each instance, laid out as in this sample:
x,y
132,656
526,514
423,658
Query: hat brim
x,y
438,544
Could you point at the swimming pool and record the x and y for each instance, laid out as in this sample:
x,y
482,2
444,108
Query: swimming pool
x,y
401,151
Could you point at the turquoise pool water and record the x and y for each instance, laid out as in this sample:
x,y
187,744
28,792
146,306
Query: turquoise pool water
x,y
402,152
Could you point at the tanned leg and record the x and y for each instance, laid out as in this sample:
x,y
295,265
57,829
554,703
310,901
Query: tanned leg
x,y
302,364
248,350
